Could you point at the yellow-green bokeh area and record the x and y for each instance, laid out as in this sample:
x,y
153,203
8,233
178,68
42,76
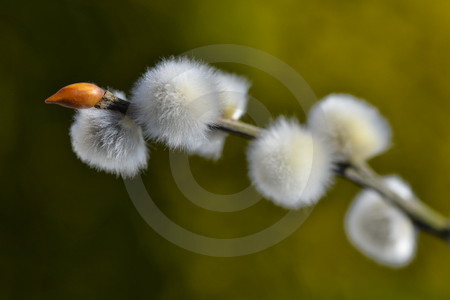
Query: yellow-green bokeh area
x,y
68,232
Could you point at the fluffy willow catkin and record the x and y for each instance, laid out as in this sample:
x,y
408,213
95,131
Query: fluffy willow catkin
x,y
354,129
233,97
379,230
289,165
109,141
176,101
233,91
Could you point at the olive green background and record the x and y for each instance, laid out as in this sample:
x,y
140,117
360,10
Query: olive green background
x,y
69,232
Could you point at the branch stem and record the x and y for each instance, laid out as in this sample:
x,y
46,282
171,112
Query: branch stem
x,y
237,128
361,174
424,217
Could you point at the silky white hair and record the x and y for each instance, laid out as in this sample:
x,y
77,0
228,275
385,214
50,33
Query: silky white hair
x,y
212,147
176,101
234,97
380,230
234,94
289,165
354,129
109,141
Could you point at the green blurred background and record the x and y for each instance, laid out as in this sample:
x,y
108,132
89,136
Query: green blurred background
x,y
68,232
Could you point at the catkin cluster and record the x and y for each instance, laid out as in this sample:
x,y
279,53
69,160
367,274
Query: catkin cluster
x,y
179,101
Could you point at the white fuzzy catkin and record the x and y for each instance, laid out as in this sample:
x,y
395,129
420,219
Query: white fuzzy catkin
x,y
380,230
109,141
176,101
234,94
289,165
355,129
210,148
233,91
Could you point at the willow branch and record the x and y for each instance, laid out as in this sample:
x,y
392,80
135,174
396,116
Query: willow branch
x,y
424,217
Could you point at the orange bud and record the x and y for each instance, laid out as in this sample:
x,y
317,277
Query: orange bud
x,y
77,96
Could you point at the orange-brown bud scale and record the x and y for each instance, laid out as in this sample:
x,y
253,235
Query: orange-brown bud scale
x,y
78,96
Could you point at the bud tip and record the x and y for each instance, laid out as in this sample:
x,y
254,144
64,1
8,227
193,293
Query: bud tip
x,y
77,96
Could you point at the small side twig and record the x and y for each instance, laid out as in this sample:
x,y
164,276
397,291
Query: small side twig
x,y
424,217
